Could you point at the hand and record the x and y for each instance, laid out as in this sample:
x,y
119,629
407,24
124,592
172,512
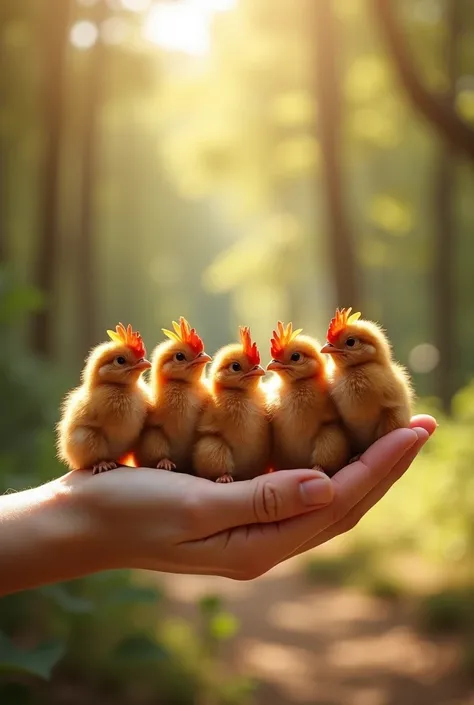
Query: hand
x,y
181,524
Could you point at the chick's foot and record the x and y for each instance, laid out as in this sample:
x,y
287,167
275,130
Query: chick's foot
x,y
166,464
103,466
225,478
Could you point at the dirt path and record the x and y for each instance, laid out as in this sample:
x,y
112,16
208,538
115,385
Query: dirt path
x,y
312,646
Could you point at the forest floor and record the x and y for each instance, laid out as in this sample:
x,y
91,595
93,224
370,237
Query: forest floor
x,y
307,645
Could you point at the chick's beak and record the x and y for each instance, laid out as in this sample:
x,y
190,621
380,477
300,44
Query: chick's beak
x,y
276,365
202,359
330,349
142,365
256,371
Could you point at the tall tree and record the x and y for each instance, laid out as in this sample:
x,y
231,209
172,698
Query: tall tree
x,y
444,280
434,108
327,91
86,283
3,200
4,17
55,33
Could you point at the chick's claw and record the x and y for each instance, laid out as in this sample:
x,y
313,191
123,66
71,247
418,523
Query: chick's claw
x,y
354,459
166,464
225,478
103,466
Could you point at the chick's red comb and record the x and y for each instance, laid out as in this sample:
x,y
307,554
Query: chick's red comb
x,y
281,338
340,321
126,336
183,333
250,349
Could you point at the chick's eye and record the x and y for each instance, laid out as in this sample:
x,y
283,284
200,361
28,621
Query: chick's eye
x,y
180,356
350,342
120,360
296,356
236,367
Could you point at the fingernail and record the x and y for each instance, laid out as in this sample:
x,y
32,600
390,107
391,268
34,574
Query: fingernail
x,y
317,491
422,434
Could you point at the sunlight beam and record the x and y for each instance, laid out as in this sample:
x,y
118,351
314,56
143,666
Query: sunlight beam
x,y
184,26
181,27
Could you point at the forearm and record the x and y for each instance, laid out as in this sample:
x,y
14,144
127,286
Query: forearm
x,y
49,534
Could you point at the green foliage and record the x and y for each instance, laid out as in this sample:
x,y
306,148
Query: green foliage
x,y
37,662
448,611
17,301
384,587
139,649
15,694
340,569
26,384
217,624
223,626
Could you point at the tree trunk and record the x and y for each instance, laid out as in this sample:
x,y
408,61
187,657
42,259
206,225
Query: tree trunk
x,y
55,42
3,201
86,282
328,95
444,280
440,114
3,162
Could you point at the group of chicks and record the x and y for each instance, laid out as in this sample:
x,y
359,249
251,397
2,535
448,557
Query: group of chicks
x,y
331,403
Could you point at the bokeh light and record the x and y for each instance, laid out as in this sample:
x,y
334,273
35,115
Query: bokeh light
x,y
114,30
216,5
83,34
136,5
181,27
424,358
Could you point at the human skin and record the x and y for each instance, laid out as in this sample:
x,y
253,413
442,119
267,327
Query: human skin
x,y
144,518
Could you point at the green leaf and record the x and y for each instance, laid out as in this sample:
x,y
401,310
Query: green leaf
x,y
134,594
223,626
210,605
67,602
139,649
37,662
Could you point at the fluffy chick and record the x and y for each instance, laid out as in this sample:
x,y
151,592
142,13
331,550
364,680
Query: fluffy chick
x,y
102,419
372,392
234,432
307,430
178,394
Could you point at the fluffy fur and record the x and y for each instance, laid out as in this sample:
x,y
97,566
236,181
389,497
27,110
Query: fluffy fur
x,y
307,430
178,395
102,419
234,432
372,392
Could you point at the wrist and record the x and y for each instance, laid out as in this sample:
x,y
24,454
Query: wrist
x,y
49,534
83,525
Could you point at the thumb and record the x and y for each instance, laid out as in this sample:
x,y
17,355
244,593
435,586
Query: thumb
x,y
268,498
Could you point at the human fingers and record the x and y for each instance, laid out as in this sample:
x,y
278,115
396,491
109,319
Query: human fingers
x,y
268,498
425,421
252,550
361,508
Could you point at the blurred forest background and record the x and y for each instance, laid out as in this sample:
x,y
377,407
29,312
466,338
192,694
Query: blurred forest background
x,y
240,161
